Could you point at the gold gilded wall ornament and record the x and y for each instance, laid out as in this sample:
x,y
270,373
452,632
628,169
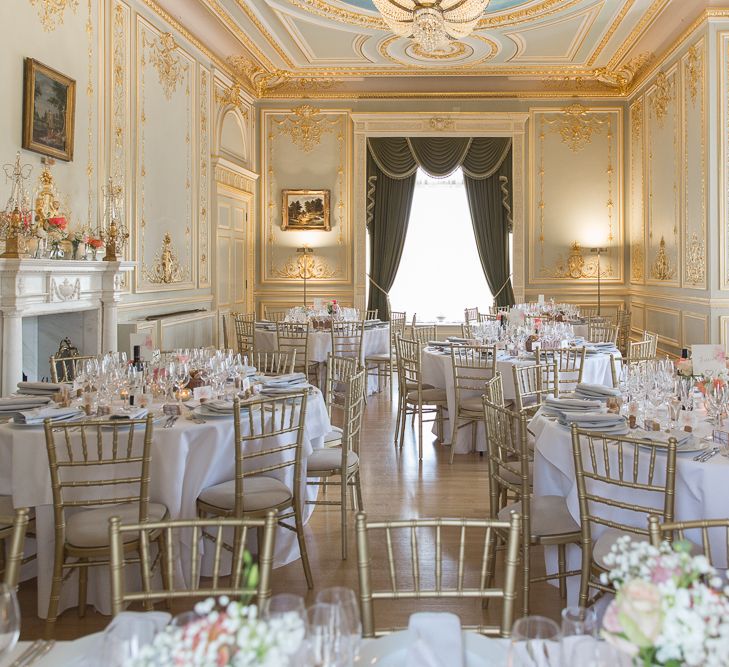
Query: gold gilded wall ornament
x,y
623,76
169,68
167,268
305,126
576,127
577,267
441,123
51,12
305,265
662,97
661,267
259,79
694,66
230,96
695,271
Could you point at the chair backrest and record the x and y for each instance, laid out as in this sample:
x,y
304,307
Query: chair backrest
x,y
588,312
614,371
570,363
294,337
409,371
245,330
494,390
354,404
508,456
274,363
533,383
702,532
372,314
275,314
398,321
118,456
653,338
487,317
466,330
495,310
14,527
64,369
213,529
340,371
425,332
347,339
602,332
224,329
462,536
473,366
281,418
621,481
623,322
641,350
470,315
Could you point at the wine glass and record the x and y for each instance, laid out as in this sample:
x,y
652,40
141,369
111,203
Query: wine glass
x,y
9,619
324,632
351,624
589,652
577,623
182,378
284,604
535,640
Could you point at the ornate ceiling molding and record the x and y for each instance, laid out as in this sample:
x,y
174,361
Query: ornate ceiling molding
x,y
260,80
231,96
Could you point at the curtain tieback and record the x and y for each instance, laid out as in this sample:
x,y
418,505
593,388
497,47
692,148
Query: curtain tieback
x,y
501,289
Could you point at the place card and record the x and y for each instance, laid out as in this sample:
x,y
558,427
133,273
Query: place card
x,y
202,393
720,438
171,409
708,359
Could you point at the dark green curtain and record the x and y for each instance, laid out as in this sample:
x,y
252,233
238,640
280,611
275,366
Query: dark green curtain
x,y
489,200
391,167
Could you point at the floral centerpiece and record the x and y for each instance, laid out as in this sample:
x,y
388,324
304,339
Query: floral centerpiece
x,y
670,608
684,367
56,228
94,243
225,633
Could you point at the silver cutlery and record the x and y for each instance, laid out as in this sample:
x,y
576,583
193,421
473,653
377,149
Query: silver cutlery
x,y
710,455
705,456
169,422
197,419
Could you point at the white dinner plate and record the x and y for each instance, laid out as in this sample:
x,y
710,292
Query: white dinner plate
x,y
391,651
75,418
201,412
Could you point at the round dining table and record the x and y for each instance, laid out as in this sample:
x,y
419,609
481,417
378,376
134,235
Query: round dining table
x,y
186,459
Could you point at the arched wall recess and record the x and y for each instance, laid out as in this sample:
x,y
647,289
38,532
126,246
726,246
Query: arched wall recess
x,y
232,138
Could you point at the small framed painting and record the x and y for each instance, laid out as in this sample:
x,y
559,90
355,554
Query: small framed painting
x,y
49,101
305,209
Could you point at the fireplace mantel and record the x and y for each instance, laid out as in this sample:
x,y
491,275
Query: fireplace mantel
x,y
33,287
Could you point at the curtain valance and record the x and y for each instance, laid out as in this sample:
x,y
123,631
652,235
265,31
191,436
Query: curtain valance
x,y
400,157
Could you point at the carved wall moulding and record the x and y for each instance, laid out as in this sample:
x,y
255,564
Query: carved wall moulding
x,y
230,96
66,290
258,78
694,67
441,123
307,265
167,268
168,65
305,126
695,271
623,76
51,12
662,97
577,267
661,268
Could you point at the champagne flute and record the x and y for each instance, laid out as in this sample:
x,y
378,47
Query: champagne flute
x,y
9,619
182,378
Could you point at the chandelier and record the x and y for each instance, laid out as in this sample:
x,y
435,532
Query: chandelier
x,y
431,23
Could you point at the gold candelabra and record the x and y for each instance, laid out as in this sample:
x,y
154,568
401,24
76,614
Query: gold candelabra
x,y
16,219
113,231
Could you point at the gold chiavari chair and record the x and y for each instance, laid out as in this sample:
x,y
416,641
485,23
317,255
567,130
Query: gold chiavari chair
x,y
234,585
340,371
63,369
372,314
425,333
467,331
414,395
224,328
274,363
274,314
601,332
570,364
618,476
653,338
546,520
487,317
700,528
470,315
494,390
347,339
640,350
342,462
255,489
588,312
245,331
383,365
116,457
623,322
533,383
13,527
472,367
398,535
495,310
293,337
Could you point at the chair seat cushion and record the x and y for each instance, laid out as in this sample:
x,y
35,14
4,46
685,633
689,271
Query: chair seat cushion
x,y
378,358
512,472
602,545
472,404
334,437
6,509
549,516
90,528
259,493
430,396
410,386
329,459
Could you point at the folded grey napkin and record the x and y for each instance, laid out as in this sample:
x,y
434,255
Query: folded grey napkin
x,y
285,380
268,390
139,413
16,403
558,406
595,391
38,415
662,436
51,387
218,406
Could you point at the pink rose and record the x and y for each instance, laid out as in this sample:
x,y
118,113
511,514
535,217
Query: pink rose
x,y
639,612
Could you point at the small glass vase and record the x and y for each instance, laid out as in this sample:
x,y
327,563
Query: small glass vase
x,y
56,252
74,249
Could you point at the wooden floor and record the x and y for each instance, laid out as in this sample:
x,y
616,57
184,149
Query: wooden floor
x,y
395,485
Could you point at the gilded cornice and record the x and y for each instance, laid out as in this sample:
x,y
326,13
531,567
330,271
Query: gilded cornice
x,y
630,41
627,5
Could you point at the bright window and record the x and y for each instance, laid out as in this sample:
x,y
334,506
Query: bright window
x,y
440,272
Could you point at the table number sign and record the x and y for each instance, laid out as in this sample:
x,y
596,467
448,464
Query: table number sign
x,y
146,345
708,359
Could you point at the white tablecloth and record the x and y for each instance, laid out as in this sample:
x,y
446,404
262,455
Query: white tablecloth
x,y
186,459
437,371
699,488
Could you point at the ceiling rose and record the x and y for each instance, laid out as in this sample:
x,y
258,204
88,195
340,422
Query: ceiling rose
x,y
431,23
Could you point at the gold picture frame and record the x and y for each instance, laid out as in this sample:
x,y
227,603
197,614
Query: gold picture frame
x,y
49,103
305,209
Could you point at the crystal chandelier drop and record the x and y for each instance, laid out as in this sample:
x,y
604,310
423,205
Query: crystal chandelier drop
x,y
431,23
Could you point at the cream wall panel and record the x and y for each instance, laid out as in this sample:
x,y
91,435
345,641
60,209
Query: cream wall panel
x,y
663,178
636,211
306,149
694,329
638,316
723,225
666,322
576,177
693,96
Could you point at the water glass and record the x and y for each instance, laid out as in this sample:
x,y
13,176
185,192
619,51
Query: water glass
x,y
324,636
351,624
589,652
577,623
535,641
283,604
9,619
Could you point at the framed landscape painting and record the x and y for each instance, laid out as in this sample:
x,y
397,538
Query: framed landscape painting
x,y
49,102
306,209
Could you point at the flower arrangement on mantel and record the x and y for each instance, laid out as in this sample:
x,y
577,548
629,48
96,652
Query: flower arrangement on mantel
x,y
670,608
